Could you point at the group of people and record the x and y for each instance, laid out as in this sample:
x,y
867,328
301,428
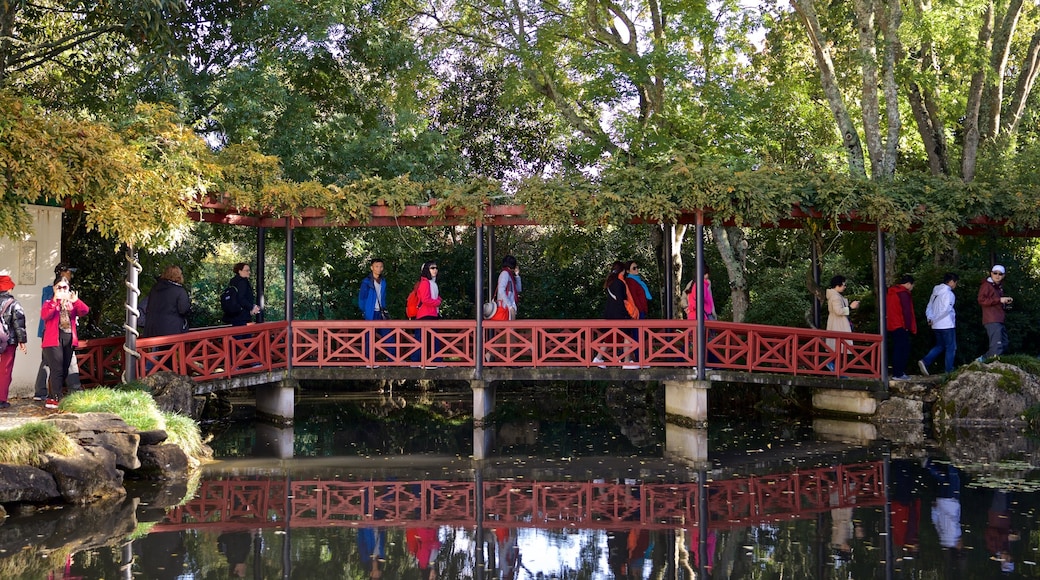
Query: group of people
x,y
900,321
59,311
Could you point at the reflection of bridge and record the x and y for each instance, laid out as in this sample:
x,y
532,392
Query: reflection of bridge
x,y
248,503
522,349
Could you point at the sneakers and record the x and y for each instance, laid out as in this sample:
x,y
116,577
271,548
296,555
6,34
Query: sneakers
x,y
629,367
4,405
901,378
599,362
51,403
37,398
923,367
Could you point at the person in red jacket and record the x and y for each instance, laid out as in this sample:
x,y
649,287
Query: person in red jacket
x,y
900,323
994,303
60,339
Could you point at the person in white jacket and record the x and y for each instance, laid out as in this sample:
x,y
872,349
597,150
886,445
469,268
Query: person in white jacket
x,y
943,320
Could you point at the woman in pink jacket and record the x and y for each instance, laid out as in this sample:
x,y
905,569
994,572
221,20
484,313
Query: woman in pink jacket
x,y
429,303
59,336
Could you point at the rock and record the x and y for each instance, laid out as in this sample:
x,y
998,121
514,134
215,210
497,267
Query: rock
x,y
900,410
23,483
87,476
154,437
990,394
105,430
174,393
107,522
161,462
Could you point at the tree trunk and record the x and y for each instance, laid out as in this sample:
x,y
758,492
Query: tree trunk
x,y
925,103
971,114
828,80
674,261
993,96
1026,80
732,245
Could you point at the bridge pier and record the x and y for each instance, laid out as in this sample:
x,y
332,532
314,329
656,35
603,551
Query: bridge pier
x,y
276,402
686,419
273,441
842,401
483,405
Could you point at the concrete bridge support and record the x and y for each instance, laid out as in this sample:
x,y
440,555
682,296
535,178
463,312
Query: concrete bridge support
x,y
483,405
273,441
847,402
686,419
276,402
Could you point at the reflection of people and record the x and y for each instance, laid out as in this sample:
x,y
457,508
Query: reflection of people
x,y
372,549
235,546
60,336
946,511
168,305
999,533
906,505
424,544
14,321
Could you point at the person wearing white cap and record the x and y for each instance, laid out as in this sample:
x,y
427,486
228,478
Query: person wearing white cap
x,y
994,304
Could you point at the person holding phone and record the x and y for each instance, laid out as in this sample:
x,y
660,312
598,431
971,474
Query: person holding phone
x,y
59,316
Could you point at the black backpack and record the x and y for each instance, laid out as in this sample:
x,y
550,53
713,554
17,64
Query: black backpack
x,y
229,302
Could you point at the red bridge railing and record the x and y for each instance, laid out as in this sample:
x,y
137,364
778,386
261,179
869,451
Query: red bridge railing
x,y
230,351
242,503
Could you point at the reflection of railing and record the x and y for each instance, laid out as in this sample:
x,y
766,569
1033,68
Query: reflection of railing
x,y
256,503
227,351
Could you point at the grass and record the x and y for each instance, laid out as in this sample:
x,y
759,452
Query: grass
x,y
139,410
26,444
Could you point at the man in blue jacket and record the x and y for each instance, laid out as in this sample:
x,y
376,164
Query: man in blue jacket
x,y
372,297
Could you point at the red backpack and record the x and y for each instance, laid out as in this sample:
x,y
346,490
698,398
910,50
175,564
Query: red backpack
x,y
411,306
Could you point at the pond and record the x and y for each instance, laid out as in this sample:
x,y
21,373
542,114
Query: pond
x,y
581,483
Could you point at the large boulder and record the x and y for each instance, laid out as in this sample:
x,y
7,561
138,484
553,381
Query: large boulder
x,y
106,430
22,483
88,475
987,394
174,393
162,462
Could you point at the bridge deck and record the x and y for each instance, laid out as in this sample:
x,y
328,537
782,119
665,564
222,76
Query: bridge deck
x,y
524,350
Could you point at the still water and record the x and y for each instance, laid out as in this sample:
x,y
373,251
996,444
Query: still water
x,y
582,483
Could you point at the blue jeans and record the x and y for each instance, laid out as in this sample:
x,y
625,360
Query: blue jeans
x,y
945,341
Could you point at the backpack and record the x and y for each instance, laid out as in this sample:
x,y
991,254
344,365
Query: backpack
x,y
229,301
684,296
5,329
411,306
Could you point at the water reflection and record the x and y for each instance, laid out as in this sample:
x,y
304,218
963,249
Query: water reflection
x,y
370,488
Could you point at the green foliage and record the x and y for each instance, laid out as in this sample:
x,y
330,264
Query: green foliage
x,y
26,444
138,409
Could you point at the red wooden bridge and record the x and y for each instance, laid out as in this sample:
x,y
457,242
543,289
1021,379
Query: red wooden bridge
x,y
582,345
247,503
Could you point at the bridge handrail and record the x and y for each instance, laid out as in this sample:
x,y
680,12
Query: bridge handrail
x,y
222,352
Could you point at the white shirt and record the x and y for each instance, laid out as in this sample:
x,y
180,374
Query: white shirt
x,y
940,312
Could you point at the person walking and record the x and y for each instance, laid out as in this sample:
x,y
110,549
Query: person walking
x,y
637,289
994,307
900,323
709,300
429,303
943,319
168,305
619,305
243,304
60,337
13,320
372,300
507,289
838,310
